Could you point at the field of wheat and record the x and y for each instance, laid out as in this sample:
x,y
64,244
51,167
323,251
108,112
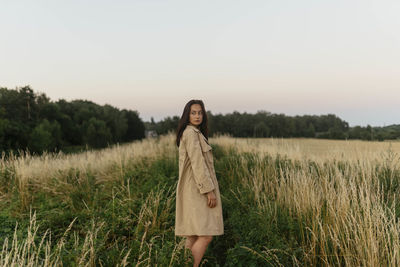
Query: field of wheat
x,y
286,202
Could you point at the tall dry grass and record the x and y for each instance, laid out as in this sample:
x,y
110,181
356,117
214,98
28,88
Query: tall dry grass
x,y
337,188
27,252
343,193
30,171
51,173
319,150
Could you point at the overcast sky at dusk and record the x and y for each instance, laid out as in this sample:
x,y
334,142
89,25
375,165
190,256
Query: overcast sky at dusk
x,y
292,57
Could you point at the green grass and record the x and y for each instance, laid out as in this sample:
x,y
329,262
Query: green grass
x,y
130,219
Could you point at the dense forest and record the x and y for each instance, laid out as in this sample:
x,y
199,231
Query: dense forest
x,y
266,124
30,121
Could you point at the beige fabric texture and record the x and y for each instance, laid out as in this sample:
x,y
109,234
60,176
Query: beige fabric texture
x,y
196,178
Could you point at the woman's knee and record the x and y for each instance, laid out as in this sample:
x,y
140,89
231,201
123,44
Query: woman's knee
x,y
190,240
206,238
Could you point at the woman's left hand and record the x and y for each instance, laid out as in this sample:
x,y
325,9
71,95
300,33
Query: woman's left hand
x,y
212,199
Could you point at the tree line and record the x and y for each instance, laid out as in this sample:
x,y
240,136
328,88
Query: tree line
x,y
30,121
267,124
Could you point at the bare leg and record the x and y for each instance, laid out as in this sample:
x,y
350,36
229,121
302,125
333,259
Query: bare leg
x,y
199,247
190,241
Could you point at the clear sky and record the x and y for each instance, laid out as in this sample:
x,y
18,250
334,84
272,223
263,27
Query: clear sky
x,y
293,57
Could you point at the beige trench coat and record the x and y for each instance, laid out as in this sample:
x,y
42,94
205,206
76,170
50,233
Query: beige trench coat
x,y
196,178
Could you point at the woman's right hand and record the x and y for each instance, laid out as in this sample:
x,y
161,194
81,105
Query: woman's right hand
x,y
212,199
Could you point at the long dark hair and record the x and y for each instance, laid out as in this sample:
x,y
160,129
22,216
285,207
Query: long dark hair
x,y
185,119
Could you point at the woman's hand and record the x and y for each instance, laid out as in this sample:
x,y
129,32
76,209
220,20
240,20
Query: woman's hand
x,y
212,200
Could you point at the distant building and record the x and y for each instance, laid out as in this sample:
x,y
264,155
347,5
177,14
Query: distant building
x,y
150,133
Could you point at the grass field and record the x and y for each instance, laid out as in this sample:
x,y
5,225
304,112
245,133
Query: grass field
x,y
286,202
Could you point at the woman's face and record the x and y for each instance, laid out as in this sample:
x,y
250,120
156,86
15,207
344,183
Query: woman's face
x,y
196,115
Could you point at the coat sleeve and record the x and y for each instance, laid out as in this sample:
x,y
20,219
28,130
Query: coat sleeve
x,y
200,170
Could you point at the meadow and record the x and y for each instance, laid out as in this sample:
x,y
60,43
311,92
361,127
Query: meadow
x,y
286,202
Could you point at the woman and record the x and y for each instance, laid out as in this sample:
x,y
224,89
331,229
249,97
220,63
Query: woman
x,y
198,214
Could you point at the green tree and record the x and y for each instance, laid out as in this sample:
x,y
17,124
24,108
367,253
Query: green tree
x,y
45,136
96,133
310,132
3,129
261,130
336,133
115,121
136,128
355,132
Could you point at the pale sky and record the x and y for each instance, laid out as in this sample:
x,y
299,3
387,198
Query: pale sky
x,y
294,57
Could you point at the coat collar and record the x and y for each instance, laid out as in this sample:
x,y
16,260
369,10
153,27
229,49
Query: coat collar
x,y
197,130
193,127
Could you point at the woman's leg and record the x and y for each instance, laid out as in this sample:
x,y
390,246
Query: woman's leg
x,y
190,241
199,247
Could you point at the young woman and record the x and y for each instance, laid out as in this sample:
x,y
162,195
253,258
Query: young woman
x,y
198,214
